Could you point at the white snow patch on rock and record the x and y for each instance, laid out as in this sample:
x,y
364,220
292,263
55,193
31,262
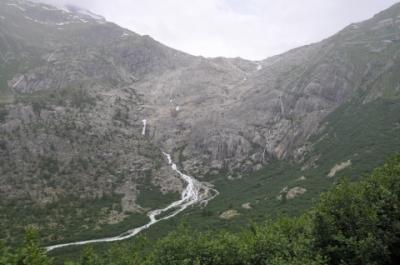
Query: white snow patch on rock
x,y
18,81
17,6
50,8
90,14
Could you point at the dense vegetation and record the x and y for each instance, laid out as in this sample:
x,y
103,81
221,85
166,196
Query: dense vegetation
x,y
354,223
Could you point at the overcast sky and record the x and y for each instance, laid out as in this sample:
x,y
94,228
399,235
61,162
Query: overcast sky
x,y
251,29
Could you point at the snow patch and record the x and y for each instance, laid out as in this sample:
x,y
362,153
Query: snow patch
x,y
17,6
90,14
82,12
387,21
47,23
50,8
83,20
178,108
50,57
18,81
259,67
63,23
36,21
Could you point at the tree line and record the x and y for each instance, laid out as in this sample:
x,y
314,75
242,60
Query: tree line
x,y
354,223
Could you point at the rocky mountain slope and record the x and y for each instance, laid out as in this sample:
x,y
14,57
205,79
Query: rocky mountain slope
x,y
75,88
269,109
71,125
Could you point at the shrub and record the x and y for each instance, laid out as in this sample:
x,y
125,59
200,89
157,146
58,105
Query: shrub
x,y
359,223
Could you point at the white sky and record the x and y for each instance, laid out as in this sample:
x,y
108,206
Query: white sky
x,y
251,29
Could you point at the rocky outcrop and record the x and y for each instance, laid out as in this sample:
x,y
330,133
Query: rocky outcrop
x,y
229,214
339,167
289,194
294,192
247,206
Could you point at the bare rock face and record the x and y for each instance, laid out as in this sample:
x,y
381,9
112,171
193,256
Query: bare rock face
x,y
247,206
237,115
229,214
339,167
290,194
294,192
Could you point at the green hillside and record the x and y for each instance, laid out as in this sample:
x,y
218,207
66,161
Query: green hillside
x,y
353,223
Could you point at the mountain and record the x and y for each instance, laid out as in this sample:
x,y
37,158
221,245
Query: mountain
x,y
71,123
75,89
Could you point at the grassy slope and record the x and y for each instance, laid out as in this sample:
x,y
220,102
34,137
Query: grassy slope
x,y
365,134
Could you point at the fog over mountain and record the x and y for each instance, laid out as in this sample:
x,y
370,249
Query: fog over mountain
x,y
253,29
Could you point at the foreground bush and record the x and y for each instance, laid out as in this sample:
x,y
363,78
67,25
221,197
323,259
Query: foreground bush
x,y
359,223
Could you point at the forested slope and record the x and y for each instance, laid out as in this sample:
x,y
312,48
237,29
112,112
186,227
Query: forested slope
x,y
354,223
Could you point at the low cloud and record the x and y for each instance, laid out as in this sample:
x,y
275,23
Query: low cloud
x,y
252,29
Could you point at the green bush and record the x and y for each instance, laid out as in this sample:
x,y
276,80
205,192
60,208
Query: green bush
x,y
284,241
31,253
354,223
359,223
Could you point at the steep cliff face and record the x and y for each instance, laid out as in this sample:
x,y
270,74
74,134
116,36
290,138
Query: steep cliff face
x,y
236,115
75,88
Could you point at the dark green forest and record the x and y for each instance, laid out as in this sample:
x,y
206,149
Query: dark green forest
x,y
353,223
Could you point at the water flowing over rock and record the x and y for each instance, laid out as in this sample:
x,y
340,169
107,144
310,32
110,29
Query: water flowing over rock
x,y
195,192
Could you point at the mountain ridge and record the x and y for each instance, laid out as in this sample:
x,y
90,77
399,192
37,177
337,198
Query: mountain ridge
x,y
74,92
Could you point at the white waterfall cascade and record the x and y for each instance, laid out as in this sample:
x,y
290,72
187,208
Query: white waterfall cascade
x,y
195,192
144,127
